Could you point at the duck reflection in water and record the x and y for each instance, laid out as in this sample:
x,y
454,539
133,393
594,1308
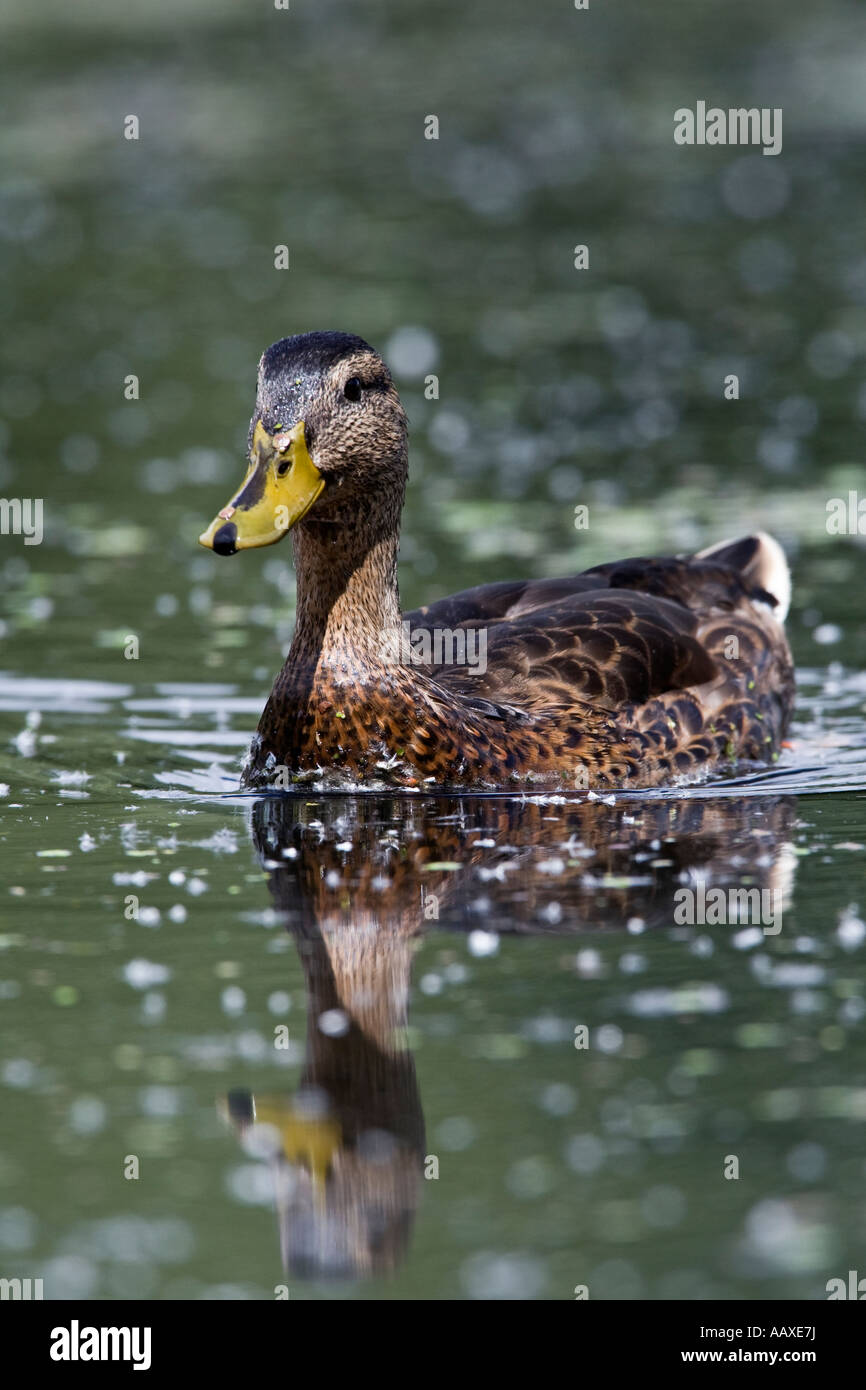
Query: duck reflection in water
x,y
358,881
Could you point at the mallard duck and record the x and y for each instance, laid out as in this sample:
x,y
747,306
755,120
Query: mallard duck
x,y
629,674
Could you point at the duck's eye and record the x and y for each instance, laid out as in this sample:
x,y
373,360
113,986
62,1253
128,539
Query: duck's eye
x,y
283,467
352,389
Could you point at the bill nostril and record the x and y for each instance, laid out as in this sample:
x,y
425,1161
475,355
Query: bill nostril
x,y
225,540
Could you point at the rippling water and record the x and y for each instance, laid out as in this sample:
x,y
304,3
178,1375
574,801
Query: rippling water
x,y
432,960
396,1045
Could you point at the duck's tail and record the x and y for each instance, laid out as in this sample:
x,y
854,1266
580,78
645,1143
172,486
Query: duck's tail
x,y
762,561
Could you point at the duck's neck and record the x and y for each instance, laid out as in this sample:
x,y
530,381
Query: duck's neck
x,y
348,601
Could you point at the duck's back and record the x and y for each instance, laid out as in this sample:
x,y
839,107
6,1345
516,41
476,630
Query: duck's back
x,y
650,668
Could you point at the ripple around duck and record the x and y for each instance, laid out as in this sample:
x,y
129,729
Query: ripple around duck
x,y
827,756
198,723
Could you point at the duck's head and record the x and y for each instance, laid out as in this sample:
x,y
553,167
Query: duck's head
x,y
327,437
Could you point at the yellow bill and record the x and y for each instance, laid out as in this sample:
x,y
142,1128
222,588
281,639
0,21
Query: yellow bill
x,y
312,1142
281,485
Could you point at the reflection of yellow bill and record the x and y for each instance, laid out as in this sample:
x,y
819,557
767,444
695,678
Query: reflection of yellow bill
x,y
307,1141
310,1142
281,485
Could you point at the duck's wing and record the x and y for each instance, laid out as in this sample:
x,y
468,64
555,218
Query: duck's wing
x,y
505,599
604,648
718,577
620,633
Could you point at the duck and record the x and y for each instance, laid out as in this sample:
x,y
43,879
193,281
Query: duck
x,y
635,673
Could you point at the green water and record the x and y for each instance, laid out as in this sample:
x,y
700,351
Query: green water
x,y
452,945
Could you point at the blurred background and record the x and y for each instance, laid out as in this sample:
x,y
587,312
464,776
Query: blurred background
x,y
557,387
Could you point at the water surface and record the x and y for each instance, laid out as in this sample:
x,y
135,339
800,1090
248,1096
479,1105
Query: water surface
x,y
431,957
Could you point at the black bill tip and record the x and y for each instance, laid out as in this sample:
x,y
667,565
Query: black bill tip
x,y
225,540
